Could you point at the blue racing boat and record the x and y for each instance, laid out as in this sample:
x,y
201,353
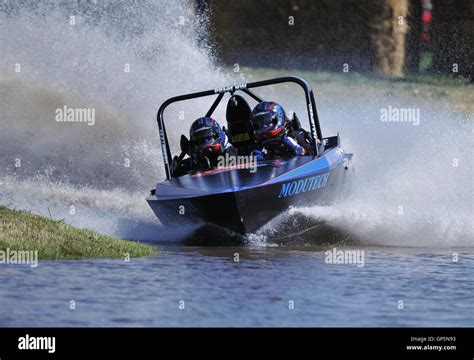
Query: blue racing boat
x,y
243,197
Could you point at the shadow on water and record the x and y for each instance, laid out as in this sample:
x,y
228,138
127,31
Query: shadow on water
x,y
301,230
295,230
153,232
289,230
211,235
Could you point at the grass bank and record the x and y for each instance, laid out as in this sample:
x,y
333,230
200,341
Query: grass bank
x,y
55,239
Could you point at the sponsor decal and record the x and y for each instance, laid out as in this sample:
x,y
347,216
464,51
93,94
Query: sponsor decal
x,y
340,150
301,186
240,137
230,88
311,114
163,147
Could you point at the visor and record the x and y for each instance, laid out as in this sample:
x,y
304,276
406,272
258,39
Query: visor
x,y
268,133
203,135
264,119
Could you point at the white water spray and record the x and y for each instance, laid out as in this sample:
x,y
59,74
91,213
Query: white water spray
x,y
122,60
412,185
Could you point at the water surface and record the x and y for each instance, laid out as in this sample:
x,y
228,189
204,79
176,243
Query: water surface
x,y
256,291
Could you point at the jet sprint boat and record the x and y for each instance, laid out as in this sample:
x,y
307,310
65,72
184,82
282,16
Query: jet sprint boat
x,y
243,198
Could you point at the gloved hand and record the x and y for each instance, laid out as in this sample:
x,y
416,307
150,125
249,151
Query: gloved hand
x,y
257,154
291,143
175,165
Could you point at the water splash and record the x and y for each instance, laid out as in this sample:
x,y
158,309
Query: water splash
x,y
123,60
410,186
406,190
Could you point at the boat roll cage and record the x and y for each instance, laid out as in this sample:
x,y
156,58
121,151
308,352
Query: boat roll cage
x,y
315,128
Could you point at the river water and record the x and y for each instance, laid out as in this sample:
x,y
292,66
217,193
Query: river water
x,y
269,286
410,209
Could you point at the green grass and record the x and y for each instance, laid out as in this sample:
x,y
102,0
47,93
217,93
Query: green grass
x,y
55,239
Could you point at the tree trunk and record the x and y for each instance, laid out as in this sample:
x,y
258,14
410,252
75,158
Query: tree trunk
x,y
390,28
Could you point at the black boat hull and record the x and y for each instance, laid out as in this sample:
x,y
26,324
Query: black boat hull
x,y
256,198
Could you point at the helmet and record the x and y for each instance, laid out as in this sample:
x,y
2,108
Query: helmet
x,y
268,120
207,137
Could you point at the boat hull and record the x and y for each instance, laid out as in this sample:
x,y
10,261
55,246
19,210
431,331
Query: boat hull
x,y
243,201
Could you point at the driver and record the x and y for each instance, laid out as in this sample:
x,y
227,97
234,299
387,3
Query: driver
x,y
208,141
276,134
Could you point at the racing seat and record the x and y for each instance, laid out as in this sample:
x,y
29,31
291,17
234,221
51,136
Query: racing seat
x,y
240,130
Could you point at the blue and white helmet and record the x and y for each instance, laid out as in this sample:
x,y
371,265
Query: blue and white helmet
x,y
207,137
268,120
